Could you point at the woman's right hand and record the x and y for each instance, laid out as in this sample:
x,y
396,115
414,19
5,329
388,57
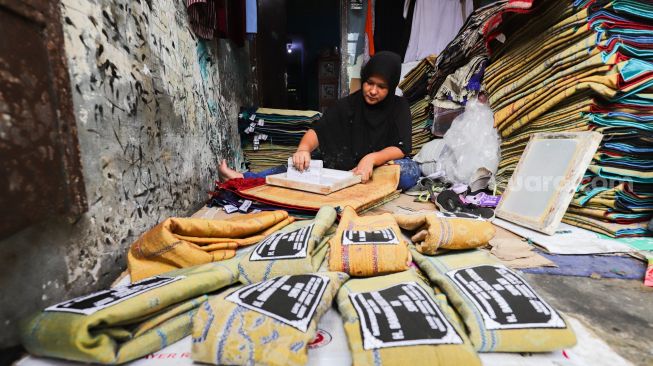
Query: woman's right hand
x,y
301,160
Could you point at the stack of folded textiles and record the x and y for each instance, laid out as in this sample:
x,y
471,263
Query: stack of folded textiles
x,y
579,66
414,87
460,68
270,136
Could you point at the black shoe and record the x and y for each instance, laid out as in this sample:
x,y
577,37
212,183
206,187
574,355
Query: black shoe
x,y
449,201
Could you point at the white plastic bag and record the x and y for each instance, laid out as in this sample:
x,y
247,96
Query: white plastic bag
x,y
472,142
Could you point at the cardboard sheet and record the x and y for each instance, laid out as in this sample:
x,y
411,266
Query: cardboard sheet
x,y
570,240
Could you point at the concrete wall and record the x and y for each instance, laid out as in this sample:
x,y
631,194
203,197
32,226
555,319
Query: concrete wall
x,y
156,109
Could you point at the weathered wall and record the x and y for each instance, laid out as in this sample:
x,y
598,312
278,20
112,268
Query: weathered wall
x,y
155,111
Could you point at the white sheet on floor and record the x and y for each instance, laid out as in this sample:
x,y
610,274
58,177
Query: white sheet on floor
x,y
568,239
435,24
333,350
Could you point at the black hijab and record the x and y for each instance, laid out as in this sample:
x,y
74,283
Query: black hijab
x,y
352,128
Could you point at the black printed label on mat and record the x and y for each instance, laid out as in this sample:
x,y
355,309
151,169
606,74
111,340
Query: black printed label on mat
x,y
376,237
504,300
97,301
289,245
401,315
289,299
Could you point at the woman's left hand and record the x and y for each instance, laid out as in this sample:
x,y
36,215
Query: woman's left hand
x,y
365,167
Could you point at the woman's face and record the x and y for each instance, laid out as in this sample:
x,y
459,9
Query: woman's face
x,y
375,89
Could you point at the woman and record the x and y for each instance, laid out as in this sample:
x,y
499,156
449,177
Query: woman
x,y
364,130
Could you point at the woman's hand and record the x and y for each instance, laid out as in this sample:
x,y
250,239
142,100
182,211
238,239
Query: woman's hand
x,y
301,160
365,167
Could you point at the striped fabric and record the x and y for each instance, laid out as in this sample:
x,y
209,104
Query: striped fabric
x,y
202,15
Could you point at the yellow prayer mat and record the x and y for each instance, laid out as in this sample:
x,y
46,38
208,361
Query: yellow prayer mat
x,y
368,245
185,242
266,323
432,232
398,320
296,249
501,312
384,182
126,322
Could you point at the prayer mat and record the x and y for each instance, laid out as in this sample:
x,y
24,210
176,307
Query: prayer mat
x,y
398,320
432,233
501,312
384,182
265,323
368,245
185,242
126,322
298,248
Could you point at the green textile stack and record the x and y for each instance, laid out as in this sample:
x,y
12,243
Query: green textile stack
x,y
270,136
414,88
579,67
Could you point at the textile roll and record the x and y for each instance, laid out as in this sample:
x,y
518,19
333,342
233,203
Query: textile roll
x,y
433,233
296,249
368,245
266,323
398,320
185,242
501,312
127,322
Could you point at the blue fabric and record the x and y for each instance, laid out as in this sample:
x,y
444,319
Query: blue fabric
x,y
407,179
585,265
250,16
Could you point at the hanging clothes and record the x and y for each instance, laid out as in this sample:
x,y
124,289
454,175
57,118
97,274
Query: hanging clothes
x,y
391,27
369,32
219,18
435,24
202,17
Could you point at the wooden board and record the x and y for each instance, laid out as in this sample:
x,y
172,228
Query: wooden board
x,y
330,181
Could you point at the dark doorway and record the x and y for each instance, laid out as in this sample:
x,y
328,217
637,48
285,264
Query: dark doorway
x,y
296,39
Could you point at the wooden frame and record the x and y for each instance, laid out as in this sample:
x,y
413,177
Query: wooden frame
x,y
538,201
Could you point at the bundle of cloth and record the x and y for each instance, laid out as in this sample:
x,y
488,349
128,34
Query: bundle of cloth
x,y
580,66
252,290
269,136
459,69
414,89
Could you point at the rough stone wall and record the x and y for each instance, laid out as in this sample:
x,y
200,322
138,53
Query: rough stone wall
x,y
156,109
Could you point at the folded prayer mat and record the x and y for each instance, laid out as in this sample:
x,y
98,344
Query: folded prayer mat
x,y
126,322
266,323
501,312
384,182
433,233
397,319
296,249
368,245
185,242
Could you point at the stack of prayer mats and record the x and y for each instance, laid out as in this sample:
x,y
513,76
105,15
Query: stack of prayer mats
x,y
185,242
414,88
583,66
270,136
382,188
126,322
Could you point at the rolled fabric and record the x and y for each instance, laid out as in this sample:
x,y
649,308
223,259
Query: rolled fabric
x,y
266,323
296,249
433,233
501,312
127,322
186,242
397,319
368,245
